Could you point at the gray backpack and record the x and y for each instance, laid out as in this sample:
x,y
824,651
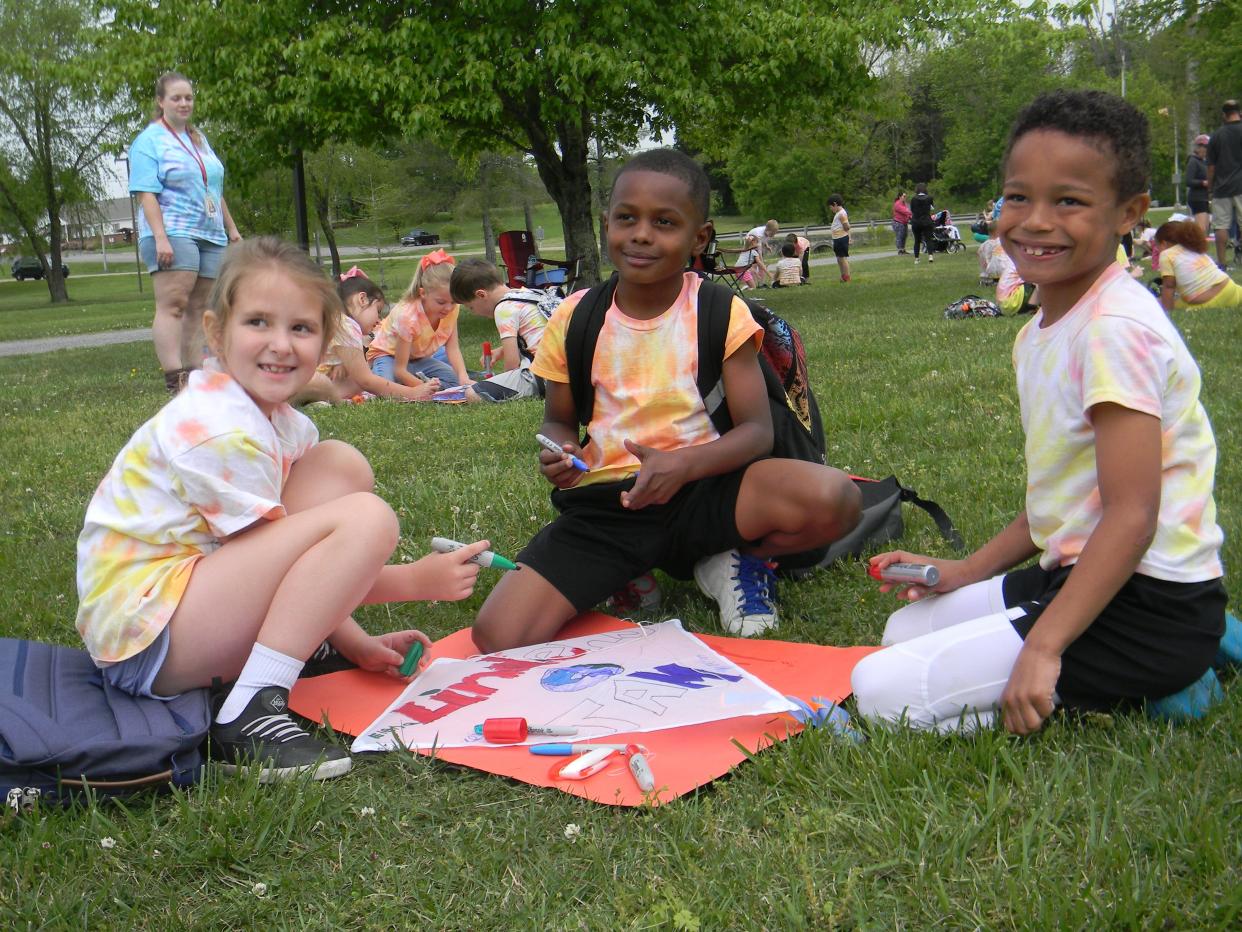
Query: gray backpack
x,y
65,731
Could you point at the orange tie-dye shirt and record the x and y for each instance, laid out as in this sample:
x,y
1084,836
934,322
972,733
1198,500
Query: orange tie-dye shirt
x,y
644,375
208,465
408,321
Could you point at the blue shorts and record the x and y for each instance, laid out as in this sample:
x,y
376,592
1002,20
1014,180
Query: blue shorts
x,y
189,255
136,675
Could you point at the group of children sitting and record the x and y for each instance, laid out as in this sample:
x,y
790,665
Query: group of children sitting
x,y
228,543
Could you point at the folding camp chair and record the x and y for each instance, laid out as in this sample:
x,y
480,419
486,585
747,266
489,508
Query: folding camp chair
x,y
525,268
712,266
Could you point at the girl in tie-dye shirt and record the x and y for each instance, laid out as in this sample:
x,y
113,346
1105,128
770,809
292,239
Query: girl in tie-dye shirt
x,y
226,542
1125,604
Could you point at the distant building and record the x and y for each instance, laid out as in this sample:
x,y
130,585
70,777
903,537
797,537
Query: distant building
x,y
85,222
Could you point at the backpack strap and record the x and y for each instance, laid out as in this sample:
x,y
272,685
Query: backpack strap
x,y
581,335
715,306
945,524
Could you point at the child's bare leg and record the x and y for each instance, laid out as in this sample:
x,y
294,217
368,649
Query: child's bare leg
x,y
524,608
790,506
319,388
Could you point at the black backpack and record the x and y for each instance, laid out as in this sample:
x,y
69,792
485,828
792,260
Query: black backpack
x,y
971,305
797,431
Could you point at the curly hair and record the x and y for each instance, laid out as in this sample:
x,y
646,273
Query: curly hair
x,y
678,165
1182,233
1103,120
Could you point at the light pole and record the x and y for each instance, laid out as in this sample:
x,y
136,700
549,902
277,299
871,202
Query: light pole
x,y
133,220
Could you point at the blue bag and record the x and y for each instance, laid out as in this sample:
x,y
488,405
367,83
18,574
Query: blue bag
x,y
65,730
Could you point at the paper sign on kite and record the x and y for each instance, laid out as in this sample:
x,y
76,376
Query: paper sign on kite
x,y
631,680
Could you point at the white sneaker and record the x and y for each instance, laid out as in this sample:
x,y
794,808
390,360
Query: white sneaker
x,y
745,589
916,261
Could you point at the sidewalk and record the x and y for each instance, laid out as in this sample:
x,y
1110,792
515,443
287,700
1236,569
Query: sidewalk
x,y
108,338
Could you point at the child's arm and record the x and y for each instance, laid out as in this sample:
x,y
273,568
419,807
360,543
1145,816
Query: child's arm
x,y
452,349
845,223
354,362
382,653
1168,292
560,423
400,360
1128,457
510,355
663,473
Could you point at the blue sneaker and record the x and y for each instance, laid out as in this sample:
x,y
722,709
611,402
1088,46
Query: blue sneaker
x,y
1189,705
745,589
1229,655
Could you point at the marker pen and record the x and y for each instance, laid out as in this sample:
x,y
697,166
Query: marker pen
x,y
411,659
484,559
589,763
549,444
640,768
923,574
515,730
565,750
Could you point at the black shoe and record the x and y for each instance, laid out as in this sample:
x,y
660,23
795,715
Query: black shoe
x,y
326,659
265,733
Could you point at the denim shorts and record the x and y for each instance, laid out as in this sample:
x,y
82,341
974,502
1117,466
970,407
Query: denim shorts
x,y
189,255
136,675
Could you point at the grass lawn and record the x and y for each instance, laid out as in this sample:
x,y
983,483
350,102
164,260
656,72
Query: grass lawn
x,y
1112,822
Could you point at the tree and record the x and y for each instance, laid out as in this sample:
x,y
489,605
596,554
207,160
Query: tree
x,y
54,128
544,77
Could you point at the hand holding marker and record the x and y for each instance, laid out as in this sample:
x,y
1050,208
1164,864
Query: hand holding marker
x,y
485,559
551,445
919,574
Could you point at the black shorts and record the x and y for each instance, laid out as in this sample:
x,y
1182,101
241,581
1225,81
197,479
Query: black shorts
x,y
1153,639
841,247
596,546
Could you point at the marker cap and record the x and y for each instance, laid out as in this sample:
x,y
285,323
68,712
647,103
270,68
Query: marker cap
x,y
504,730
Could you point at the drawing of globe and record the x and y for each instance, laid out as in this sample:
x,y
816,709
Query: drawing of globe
x,y
579,676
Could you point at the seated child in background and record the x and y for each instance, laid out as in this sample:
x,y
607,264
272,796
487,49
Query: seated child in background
x,y
1189,277
755,272
698,493
418,339
788,269
802,249
227,541
993,261
840,233
479,286
1126,602
344,372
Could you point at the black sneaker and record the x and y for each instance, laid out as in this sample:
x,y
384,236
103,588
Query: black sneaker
x,y
266,733
326,659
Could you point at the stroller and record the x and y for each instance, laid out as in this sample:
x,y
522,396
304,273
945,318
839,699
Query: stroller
x,y
945,238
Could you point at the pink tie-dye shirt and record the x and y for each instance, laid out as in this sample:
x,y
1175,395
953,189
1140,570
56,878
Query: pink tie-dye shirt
x,y
644,375
408,321
208,465
1115,345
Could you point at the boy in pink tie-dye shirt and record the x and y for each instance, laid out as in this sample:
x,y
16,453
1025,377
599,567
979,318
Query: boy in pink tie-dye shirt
x,y
664,488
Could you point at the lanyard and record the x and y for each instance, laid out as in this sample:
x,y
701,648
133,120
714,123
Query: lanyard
x,y
193,152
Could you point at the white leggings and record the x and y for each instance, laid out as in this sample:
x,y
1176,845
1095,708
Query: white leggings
x,y
947,661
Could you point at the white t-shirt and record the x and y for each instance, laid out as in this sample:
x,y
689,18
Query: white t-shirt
x,y
1115,345
208,465
839,220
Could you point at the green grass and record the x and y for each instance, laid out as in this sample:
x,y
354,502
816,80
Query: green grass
x,y
1112,822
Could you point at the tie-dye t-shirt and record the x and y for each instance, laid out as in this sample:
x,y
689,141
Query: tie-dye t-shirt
x,y
408,321
517,315
208,465
1115,345
348,336
644,375
1194,272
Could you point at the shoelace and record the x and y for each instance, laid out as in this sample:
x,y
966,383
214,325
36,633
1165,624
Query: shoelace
x,y
273,728
757,584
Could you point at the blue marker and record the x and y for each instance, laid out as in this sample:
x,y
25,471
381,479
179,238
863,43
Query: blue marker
x,y
566,750
549,444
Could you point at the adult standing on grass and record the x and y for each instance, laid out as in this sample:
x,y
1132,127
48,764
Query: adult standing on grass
x,y
1224,158
184,224
921,207
901,221
1197,183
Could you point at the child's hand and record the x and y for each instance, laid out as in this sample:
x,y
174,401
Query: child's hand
x,y
1027,699
558,468
951,575
445,577
660,478
385,653
424,390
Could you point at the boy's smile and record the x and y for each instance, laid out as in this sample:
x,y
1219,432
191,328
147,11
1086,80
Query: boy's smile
x,y
1062,218
652,229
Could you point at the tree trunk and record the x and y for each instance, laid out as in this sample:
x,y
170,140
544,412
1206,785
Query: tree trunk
x,y
598,205
527,218
566,175
54,262
489,234
320,197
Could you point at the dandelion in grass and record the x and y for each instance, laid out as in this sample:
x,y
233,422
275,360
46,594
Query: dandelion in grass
x,y
573,830
259,889
107,842
366,812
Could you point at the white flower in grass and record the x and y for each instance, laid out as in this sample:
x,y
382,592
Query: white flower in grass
x,y
573,830
366,811
107,842
259,889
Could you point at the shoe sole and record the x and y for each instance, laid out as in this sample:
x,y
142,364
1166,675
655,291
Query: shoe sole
x,y
324,770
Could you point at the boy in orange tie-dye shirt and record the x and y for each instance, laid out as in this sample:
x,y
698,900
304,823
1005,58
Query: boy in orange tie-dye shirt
x,y
700,497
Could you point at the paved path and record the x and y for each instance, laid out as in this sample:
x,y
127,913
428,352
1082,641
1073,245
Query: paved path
x,y
84,340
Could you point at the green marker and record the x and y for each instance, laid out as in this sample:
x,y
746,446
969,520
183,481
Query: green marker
x,y
412,658
485,559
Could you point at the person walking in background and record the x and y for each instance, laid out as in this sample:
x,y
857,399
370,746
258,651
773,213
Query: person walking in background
x,y
183,226
1224,159
921,222
901,221
1197,183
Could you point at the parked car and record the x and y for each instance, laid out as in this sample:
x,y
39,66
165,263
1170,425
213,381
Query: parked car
x,y
420,238
28,267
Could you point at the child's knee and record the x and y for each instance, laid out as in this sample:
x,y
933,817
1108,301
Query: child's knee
x,y
494,628
838,505
371,521
347,463
887,686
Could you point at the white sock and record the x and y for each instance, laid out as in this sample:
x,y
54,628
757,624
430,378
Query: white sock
x,y
264,667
